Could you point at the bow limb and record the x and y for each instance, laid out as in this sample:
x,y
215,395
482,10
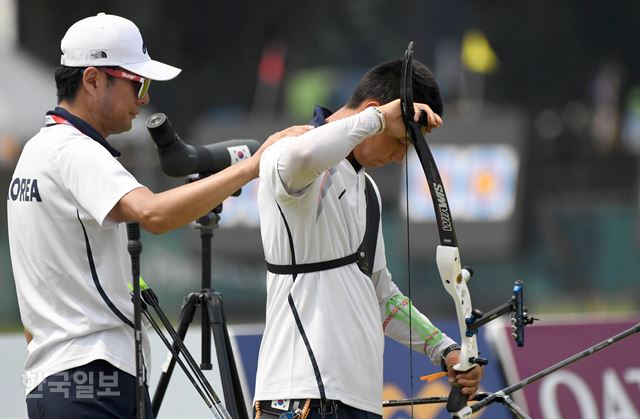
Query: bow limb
x,y
454,277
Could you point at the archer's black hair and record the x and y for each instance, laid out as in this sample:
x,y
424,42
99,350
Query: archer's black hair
x,y
382,83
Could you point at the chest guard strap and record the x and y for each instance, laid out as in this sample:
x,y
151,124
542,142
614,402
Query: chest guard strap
x,y
364,256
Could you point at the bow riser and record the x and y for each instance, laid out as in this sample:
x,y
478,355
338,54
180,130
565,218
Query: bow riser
x,y
454,279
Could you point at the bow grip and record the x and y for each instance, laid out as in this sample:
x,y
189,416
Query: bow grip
x,y
456,400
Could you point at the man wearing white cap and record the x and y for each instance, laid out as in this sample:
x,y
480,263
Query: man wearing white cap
x,y
67,203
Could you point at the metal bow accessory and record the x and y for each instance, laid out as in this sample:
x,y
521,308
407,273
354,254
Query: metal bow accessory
x,y
454,277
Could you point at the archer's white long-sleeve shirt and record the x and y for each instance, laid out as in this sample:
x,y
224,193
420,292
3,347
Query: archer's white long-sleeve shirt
x,y
342,313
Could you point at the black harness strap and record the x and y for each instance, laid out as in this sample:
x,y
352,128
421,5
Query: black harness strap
x,y
364,256
367,249
312,267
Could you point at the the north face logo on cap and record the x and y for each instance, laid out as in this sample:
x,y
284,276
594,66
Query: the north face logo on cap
x,y
98,54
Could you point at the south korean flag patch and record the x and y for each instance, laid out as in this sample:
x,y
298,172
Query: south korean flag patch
x,y
280,404
238,153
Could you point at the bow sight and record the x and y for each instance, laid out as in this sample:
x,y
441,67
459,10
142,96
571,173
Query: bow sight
x,y
519,315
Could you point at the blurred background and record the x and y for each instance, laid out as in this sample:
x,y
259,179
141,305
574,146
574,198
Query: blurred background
x,y
549,91
539,151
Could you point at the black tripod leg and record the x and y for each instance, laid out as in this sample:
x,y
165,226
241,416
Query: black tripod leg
x,y
234,400
185,318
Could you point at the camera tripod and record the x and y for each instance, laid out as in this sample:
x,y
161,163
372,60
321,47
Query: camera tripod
x,y
213,321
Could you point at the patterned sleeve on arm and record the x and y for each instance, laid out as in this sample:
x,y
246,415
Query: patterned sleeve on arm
x,y
398,314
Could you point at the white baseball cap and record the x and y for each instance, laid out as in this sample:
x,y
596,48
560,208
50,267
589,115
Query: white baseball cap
x,y
111,41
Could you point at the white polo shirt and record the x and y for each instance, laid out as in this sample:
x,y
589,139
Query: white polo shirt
x,y
70,263
338,314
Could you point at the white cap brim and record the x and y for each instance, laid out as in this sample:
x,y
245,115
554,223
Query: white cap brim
x,y
152,69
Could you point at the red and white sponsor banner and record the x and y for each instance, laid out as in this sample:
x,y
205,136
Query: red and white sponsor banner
x,y
603,385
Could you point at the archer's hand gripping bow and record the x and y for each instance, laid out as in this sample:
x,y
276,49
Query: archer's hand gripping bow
x,y
454,277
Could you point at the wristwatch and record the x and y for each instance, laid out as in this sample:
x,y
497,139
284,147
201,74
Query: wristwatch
x,y
454,347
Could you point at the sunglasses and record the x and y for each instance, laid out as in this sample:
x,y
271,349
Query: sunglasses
x,y
138,80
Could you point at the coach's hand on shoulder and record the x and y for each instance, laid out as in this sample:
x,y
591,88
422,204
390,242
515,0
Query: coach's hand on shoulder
x,y
293,131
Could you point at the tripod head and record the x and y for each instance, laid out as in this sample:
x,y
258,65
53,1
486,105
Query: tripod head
x,y
211,219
